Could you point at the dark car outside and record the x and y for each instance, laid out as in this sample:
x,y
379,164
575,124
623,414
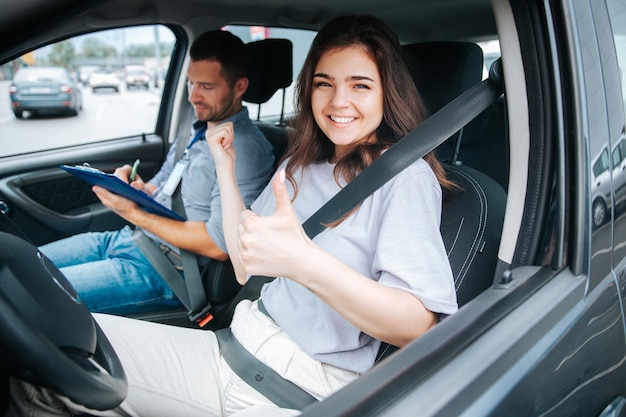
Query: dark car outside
x,y
44,90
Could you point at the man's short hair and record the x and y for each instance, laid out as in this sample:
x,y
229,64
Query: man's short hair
x,y
225,48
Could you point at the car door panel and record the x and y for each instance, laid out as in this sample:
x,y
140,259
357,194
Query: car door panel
x,y
529,362
48,203
557,384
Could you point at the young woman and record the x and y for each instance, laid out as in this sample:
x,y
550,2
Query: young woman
x,y
379,274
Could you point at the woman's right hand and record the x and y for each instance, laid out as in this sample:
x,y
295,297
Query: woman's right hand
x,y
220,140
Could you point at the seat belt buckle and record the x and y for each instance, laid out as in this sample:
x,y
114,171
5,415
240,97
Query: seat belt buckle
x,y
203,317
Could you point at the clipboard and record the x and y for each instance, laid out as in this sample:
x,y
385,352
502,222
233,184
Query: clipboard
x,y
115,185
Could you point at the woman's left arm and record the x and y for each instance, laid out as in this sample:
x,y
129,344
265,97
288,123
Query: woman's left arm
x,y
277,245
389,314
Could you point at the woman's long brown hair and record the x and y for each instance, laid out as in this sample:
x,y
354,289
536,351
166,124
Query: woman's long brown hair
x,y
403,107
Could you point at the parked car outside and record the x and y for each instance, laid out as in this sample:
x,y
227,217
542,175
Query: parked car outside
x,y
137,77
609,182
84,72
40,90
544,336
104,79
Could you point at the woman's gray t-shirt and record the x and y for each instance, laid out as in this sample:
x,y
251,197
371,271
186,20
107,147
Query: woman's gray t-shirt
x,y
392,238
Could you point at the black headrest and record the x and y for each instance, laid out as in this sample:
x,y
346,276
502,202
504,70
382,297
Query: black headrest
x,y
444,70
270,69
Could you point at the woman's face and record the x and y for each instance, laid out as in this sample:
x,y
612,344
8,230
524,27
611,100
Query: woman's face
x,y
347,97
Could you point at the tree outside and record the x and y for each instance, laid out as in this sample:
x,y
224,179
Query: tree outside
x,y
61,54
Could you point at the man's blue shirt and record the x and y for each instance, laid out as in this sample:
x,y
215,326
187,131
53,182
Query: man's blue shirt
x,y
199,186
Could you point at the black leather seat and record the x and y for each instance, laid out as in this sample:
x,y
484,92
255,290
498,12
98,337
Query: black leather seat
x,y
471,217
471,226
485,145
442,71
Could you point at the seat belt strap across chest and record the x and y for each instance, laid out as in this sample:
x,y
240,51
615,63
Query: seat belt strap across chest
x,y
199,308
190,289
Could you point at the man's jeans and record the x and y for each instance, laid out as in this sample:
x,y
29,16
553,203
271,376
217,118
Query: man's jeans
x,y
110,273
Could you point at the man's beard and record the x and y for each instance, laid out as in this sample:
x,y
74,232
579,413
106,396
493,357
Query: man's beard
x,y
225,110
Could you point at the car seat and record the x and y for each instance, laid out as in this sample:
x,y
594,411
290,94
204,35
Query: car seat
x,y
442,71
485,146
472,215
471,226
270,69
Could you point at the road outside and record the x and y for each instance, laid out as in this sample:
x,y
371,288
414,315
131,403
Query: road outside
x,y
106,115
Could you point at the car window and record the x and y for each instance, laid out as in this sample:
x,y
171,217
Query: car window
x,y
102,97
115,80
491,52
601,164
622,149
616,157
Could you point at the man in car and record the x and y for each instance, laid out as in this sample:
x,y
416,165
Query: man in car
x,y
108,270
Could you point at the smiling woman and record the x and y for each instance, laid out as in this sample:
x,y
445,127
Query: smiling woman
x,y
413,284
347,106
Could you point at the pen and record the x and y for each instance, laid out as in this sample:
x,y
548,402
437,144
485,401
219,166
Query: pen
x,y
133,172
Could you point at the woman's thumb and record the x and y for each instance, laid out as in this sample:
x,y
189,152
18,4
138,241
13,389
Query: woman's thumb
x,y
283,202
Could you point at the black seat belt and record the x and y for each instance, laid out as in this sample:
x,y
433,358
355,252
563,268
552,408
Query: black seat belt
x,y
261,377
417,143
199,308
190,290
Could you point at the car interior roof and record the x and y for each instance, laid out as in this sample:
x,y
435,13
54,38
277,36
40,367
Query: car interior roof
x,y
420,20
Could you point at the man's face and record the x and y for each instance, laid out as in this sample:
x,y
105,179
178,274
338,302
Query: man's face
x,y
212,98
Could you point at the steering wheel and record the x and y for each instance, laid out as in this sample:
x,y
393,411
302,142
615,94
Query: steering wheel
x,y
47,336
7,225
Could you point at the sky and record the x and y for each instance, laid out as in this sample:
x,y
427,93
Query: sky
x,y
129,36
